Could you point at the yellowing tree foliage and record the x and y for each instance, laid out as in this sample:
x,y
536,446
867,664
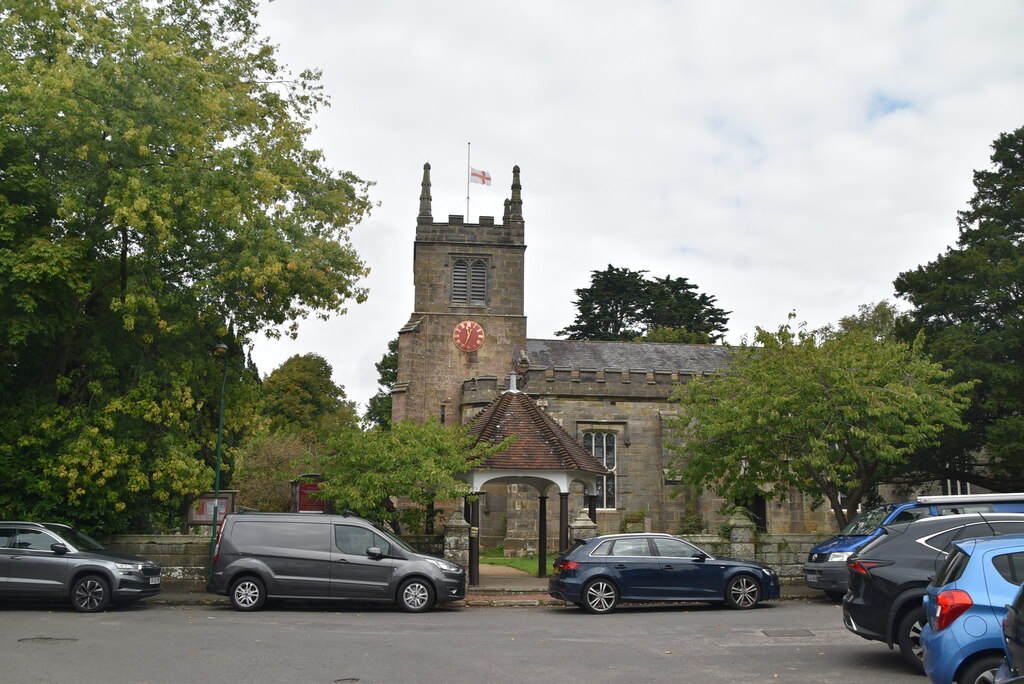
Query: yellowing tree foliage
x,y
156,196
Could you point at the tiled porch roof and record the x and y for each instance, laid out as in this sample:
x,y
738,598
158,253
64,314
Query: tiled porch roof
x,y
542,444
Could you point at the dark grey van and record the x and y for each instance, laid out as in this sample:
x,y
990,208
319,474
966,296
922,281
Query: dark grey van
x,y
281,555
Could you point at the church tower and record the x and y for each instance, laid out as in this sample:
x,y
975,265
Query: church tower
x,y
468,319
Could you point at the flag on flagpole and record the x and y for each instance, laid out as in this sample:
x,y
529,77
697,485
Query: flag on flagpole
x,y
478,176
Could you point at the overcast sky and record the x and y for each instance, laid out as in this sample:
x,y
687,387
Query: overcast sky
x,y
782,156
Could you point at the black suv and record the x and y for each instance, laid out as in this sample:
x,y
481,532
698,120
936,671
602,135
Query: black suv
x,y
49,560
283,555
1012,669
889,576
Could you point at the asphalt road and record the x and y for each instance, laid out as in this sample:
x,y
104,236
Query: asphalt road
x,y
785,641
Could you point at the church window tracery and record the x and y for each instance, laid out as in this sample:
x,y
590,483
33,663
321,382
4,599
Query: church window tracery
x,y
602,446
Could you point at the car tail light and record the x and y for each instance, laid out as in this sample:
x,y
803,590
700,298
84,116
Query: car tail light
x,y
862,567
566,564
220,531
949,605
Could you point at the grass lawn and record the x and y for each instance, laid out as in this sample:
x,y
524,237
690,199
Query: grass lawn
x,y
495,557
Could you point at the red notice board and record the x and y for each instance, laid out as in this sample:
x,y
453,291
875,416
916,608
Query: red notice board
x,y
307,502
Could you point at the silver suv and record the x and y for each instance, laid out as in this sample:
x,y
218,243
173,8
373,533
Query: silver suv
x,y
281,555
50,560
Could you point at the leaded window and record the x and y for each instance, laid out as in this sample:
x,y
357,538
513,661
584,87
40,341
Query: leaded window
x,y
602,446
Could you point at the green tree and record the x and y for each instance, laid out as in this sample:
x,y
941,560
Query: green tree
x,y
675,303
880,320
826,415
416,461
969,302
300,396
621,304
268,463
156,197
378,409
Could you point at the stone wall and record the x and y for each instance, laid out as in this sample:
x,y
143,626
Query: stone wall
x,y
785,553
430,544
182,558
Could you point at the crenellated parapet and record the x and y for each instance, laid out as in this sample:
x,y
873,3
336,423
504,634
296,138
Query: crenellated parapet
x,y
485,232
605,383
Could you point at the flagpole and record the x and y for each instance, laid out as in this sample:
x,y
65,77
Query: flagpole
x,y
468,167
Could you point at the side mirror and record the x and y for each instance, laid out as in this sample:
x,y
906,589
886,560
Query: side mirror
x,y
698,558
59,548
374,552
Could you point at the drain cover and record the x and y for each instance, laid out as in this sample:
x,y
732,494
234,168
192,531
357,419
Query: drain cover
x,y
43,640
788,632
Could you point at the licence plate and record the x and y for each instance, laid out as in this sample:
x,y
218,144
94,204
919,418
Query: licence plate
x,y
154,580
811,579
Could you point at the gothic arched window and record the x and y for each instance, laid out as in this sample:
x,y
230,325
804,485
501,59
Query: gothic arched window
x,y
478,283
469,281
460,282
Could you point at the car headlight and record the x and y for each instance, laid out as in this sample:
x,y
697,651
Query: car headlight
x,y
839,556
128,566
768,571
445,565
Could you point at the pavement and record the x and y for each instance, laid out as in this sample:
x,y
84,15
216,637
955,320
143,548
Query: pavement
x,y
499,586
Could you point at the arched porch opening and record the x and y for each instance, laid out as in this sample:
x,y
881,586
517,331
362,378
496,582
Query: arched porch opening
x,y
542,481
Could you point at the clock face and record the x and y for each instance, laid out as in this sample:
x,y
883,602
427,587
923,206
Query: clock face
x,y
468,336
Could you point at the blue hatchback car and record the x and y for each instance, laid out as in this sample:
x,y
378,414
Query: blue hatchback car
x,y
966,604
598,573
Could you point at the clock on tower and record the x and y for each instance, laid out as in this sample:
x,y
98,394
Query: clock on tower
x,y
468,336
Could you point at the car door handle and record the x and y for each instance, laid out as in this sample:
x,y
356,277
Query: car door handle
x,y
341,560
620,566
670,567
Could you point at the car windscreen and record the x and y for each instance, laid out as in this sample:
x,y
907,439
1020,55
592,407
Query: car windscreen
x,y
867,521
80,540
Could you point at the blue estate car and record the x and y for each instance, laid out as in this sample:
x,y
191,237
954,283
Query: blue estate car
x,y
598,573
966,604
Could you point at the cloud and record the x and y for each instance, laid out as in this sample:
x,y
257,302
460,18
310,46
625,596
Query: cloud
x,y
785,155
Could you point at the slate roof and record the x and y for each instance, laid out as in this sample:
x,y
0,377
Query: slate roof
x,y
648,356
542,444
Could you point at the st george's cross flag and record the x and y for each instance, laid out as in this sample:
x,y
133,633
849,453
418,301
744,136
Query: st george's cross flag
x,y
477,176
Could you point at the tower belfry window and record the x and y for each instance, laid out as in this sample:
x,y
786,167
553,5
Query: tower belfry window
x,y
478,283
469,281
460,282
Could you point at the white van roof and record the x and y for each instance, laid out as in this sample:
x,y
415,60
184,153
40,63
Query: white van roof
x,y
971,498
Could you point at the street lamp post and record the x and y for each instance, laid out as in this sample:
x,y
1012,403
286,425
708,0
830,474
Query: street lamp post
x,y
221,350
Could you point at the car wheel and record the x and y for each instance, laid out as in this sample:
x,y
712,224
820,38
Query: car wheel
x,y
90,594
909,638
742,592
600,596
416,596
248,593
981,671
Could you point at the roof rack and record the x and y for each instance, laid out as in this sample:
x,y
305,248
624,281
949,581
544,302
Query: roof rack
x,y
970,498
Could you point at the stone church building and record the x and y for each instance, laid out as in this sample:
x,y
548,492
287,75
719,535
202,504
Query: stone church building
x,y
467,336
